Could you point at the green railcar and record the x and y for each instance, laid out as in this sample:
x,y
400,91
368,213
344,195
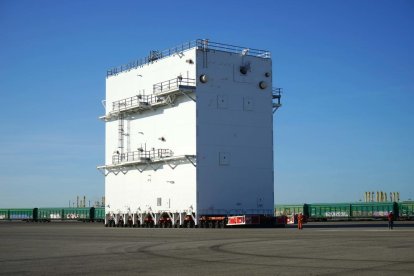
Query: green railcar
x,y
20,214
81,214
329,211
406,210
49,214
289,210
4,214
99,214
373,210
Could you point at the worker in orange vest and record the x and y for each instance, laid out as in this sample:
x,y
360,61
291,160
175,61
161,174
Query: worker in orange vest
x,y
300,221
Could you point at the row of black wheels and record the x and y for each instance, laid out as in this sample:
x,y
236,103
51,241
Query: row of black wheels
x,y
187,224
212,224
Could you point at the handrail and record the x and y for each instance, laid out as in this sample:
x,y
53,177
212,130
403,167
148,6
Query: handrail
x,y
206,44
141,155
148,100
203,44
173,84
276,97
138,100
276,92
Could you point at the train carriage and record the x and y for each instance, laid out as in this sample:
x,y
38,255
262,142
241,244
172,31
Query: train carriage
x,y
373,210
406,210
99,214
77,214
4,214
21,214
331,211
49,214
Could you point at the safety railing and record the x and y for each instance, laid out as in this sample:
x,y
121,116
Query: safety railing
x,y
276,97
203,44
141,156
173,84
206,44
148,100
135,101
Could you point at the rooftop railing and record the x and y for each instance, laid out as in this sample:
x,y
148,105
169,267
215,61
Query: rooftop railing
x,y
203,44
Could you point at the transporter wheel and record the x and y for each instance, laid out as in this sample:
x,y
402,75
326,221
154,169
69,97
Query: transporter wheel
x,y
221,224
216,224
210,224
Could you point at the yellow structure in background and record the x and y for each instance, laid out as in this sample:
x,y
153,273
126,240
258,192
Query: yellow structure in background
x,y
381,196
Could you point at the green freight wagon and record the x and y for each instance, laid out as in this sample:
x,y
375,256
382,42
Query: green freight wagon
x,y
330,211
99,214
406,210
49,214
373,210
21,214
289,210
4,214
82,214
78,214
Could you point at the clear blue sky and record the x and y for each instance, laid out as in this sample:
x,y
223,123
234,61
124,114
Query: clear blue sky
x,y
347,69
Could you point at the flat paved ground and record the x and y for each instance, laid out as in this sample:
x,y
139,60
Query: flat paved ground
x,y
319,249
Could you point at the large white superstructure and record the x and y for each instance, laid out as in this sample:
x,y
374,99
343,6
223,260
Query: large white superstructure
x,y
189,135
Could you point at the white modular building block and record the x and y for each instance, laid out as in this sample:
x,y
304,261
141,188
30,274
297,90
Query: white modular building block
x,y
189,133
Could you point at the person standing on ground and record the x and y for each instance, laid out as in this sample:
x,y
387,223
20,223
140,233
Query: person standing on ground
x,y
300,221
390,220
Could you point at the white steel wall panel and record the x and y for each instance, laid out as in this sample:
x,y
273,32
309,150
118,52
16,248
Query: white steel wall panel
x,y
225,125
177,124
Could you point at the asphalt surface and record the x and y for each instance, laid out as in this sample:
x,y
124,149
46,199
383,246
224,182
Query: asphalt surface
x,y
319,249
